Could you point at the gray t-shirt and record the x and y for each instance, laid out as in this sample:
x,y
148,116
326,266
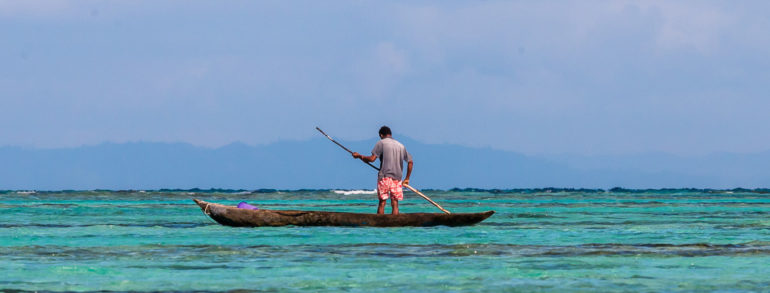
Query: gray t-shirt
x,y
392,155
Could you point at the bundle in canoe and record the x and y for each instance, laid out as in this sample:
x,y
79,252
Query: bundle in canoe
x,y
233,216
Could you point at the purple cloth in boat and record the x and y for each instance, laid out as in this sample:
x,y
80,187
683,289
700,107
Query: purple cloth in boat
x,y
244,205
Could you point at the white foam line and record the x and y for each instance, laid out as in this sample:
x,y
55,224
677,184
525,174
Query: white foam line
x,y
350,192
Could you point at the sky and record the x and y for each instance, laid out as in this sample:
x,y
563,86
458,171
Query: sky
x,y
535,77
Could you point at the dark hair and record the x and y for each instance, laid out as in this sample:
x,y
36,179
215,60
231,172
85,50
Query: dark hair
x,y
385,131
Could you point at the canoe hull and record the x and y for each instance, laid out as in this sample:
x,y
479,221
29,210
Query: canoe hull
x,y
232,216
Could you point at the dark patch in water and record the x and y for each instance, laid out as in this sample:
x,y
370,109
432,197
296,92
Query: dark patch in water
x,y
163,225
302,252
108,291
187,267
532,215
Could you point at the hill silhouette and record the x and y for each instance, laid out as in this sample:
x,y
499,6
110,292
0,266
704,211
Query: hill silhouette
x,y
319,164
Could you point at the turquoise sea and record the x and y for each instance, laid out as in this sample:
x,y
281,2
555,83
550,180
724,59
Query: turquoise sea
x,y
539,240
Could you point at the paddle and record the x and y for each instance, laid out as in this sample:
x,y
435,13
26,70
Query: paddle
x,y
426,198
370,164
342,146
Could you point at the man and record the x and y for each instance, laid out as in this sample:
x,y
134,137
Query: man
x,y
392,155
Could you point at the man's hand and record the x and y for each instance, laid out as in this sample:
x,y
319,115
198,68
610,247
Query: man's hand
x,y
368,159
408,172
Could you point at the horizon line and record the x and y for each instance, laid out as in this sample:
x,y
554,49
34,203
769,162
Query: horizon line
x,y
759,190
239,142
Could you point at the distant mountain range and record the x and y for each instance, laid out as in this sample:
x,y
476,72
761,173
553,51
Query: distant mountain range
x,y
318,163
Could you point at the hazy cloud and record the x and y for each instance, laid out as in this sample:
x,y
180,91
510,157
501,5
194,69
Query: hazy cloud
x,y
535,77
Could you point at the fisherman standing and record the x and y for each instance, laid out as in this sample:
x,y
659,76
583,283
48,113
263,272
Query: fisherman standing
x,y
392,155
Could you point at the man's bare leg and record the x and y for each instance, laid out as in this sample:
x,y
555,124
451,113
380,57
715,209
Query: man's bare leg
x,y
394,205
381,206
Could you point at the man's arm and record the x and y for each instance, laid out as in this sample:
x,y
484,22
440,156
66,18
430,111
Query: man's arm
x,y
366,159
408,172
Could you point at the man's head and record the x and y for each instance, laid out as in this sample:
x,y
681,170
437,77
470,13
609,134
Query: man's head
x,y
385,131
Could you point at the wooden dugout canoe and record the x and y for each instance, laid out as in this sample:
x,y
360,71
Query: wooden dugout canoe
x,y
233,216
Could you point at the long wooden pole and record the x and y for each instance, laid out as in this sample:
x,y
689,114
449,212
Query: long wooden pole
x,y
426,198
370,164
342,146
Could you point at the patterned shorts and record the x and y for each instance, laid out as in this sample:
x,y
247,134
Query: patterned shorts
x,y
388,186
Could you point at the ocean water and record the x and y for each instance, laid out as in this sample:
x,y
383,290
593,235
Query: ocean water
x,y
538,240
